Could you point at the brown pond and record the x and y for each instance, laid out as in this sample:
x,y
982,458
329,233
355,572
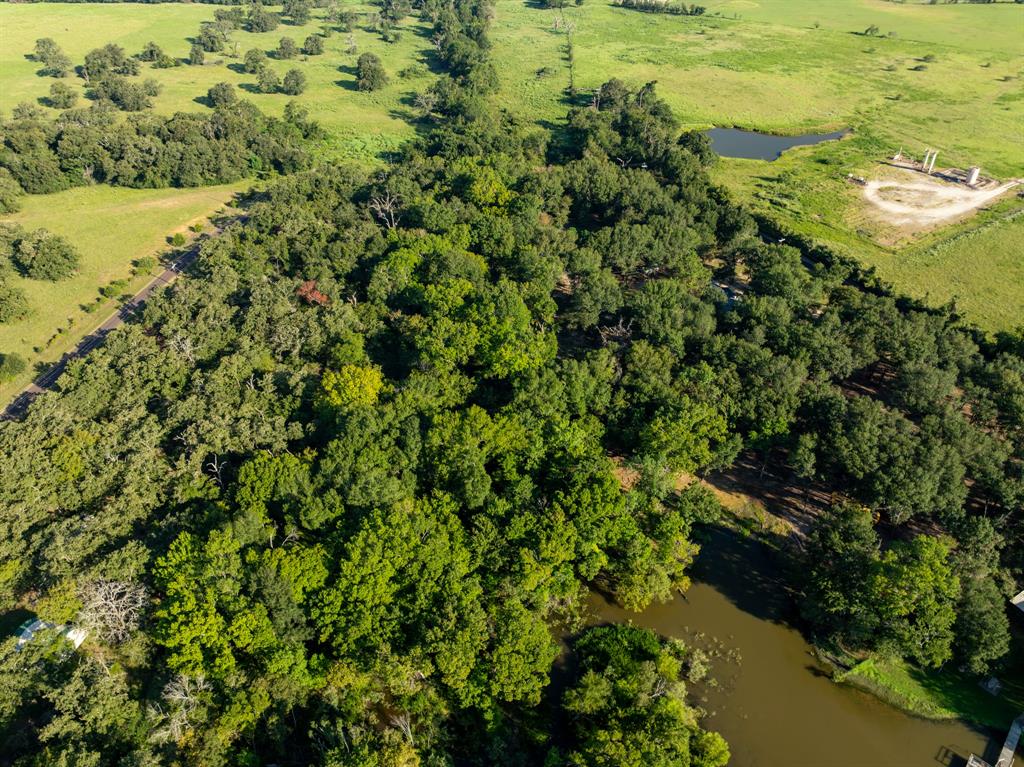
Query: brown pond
x,y
774,704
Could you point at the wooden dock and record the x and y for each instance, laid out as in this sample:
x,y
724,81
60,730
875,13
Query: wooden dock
x,y
1009,747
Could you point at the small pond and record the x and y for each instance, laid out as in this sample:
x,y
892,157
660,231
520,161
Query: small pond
x,y
732,142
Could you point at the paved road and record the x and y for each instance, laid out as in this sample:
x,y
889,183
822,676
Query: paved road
x,y
20,404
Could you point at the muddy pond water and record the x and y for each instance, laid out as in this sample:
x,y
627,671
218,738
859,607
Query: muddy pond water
x,y
750,145
773,703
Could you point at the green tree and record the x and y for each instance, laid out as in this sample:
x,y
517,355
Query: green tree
x,y
628,704
370,73
260,19
55,62
11,365
286,48
255,60
62,96
298,11
313,45
10,192
222,94
13,302
294,82
915,592
839,561
45,256
268,81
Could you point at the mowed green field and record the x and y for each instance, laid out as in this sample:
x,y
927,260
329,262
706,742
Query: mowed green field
x,y
111,227
361,125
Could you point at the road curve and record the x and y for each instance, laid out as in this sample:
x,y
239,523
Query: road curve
x,y
45,381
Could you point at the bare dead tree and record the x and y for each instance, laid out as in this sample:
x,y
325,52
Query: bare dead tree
x,y
426,101
216,466
385,207
182,344
620,332
182,696
403,723
112,610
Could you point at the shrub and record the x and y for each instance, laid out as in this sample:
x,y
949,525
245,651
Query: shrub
x,y
196,56
371,74
11,366
294,82
166,62
347,20
222,94
313,46
113,289
414,70
13,303
62,96
177,239
144,265
255,60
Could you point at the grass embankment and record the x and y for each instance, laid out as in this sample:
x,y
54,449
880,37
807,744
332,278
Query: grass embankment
x,y
111,227
945,694
360,125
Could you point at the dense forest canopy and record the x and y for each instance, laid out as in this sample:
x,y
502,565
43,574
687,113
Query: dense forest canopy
x,y
334,497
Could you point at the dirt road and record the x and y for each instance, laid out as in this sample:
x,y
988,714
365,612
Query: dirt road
x,y
926,203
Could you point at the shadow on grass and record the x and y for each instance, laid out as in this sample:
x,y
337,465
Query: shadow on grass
x,y
961,693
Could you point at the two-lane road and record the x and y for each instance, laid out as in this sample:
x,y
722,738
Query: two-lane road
x,y
20,403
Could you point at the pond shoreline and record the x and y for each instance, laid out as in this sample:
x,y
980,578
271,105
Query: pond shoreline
x,y
778,700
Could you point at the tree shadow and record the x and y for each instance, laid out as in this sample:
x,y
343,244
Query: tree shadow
x,y
238,69
349,84
12,619
249,88
742,568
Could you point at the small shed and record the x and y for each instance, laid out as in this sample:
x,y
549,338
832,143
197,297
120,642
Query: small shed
x,y
28,630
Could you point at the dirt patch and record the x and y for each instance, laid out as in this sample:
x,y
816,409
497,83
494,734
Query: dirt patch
x,y
915,202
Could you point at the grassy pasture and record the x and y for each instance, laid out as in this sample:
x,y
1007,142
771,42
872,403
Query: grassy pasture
x,y
794,66
111,227
361,125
